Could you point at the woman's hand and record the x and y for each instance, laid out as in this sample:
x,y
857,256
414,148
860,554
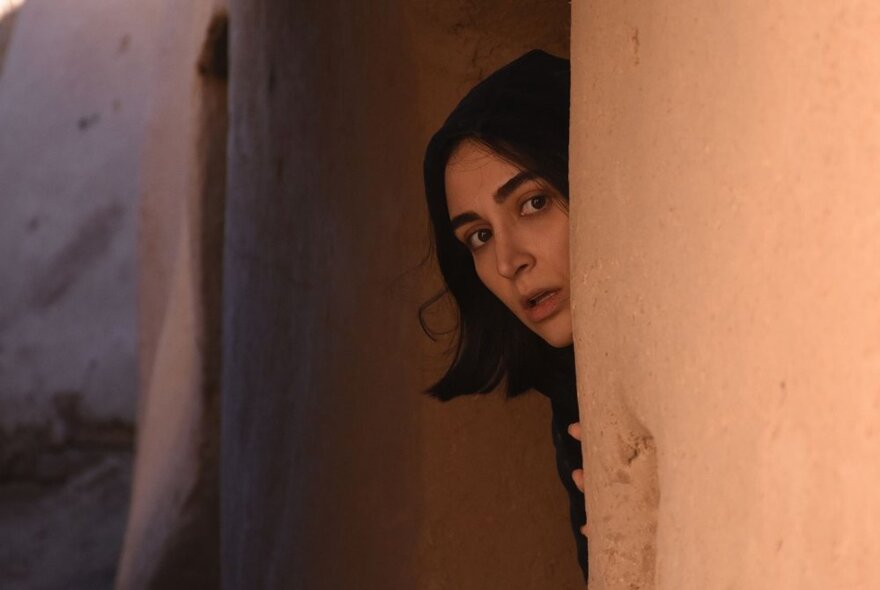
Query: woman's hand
x,y
574,429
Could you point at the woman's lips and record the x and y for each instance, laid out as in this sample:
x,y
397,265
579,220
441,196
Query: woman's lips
x,y
547,304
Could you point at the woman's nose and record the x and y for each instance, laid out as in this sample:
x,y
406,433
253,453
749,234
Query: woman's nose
x,y
511,257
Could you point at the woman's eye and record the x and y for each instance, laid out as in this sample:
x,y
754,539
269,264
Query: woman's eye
x,y
478,238
534,204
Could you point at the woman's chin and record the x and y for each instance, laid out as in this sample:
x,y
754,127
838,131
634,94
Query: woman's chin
x,y
559,342
557,330
559,338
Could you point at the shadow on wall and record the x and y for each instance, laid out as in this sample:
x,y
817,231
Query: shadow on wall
x,y
332,453
63,506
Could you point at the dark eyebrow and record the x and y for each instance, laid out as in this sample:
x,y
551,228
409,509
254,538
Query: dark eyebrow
x,y
504,191
460,220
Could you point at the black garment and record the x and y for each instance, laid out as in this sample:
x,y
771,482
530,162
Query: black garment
x,y
558,384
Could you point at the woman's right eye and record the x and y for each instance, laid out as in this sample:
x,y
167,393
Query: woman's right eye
x,y
478,238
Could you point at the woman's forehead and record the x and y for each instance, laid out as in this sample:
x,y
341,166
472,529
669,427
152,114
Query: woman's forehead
x,y
470,153
474,170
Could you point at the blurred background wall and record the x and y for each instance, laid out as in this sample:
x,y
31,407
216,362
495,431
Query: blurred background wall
x,y
75,88
337,471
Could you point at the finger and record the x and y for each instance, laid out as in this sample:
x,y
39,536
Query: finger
x,y
578,476
584,531
574,429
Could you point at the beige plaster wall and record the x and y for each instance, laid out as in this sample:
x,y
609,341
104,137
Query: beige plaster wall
x,y
337,471
172,536
726,254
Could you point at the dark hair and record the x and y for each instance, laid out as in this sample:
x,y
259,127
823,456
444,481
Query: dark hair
x,y
521,112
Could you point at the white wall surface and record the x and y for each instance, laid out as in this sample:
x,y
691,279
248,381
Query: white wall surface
x,y
74,96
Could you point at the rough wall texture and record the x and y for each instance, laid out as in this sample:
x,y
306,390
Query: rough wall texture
x,y
337,472
726,248
75,83
69,170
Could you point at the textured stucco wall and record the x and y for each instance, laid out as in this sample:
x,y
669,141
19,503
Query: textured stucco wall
x,y
726,237
337,471
76,83
73,100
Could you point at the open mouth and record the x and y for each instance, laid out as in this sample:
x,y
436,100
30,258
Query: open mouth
x,y
537,299
542,304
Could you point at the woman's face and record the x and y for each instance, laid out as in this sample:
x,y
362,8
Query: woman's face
x,y
517,231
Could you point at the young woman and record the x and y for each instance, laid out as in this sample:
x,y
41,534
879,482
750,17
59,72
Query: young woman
x,y
496,181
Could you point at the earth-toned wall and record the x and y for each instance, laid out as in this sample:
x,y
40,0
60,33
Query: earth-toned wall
x,y
172,539
725,256
726,248
337,471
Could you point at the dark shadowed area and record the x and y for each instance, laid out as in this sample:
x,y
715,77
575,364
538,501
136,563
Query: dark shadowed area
x,y
337,471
